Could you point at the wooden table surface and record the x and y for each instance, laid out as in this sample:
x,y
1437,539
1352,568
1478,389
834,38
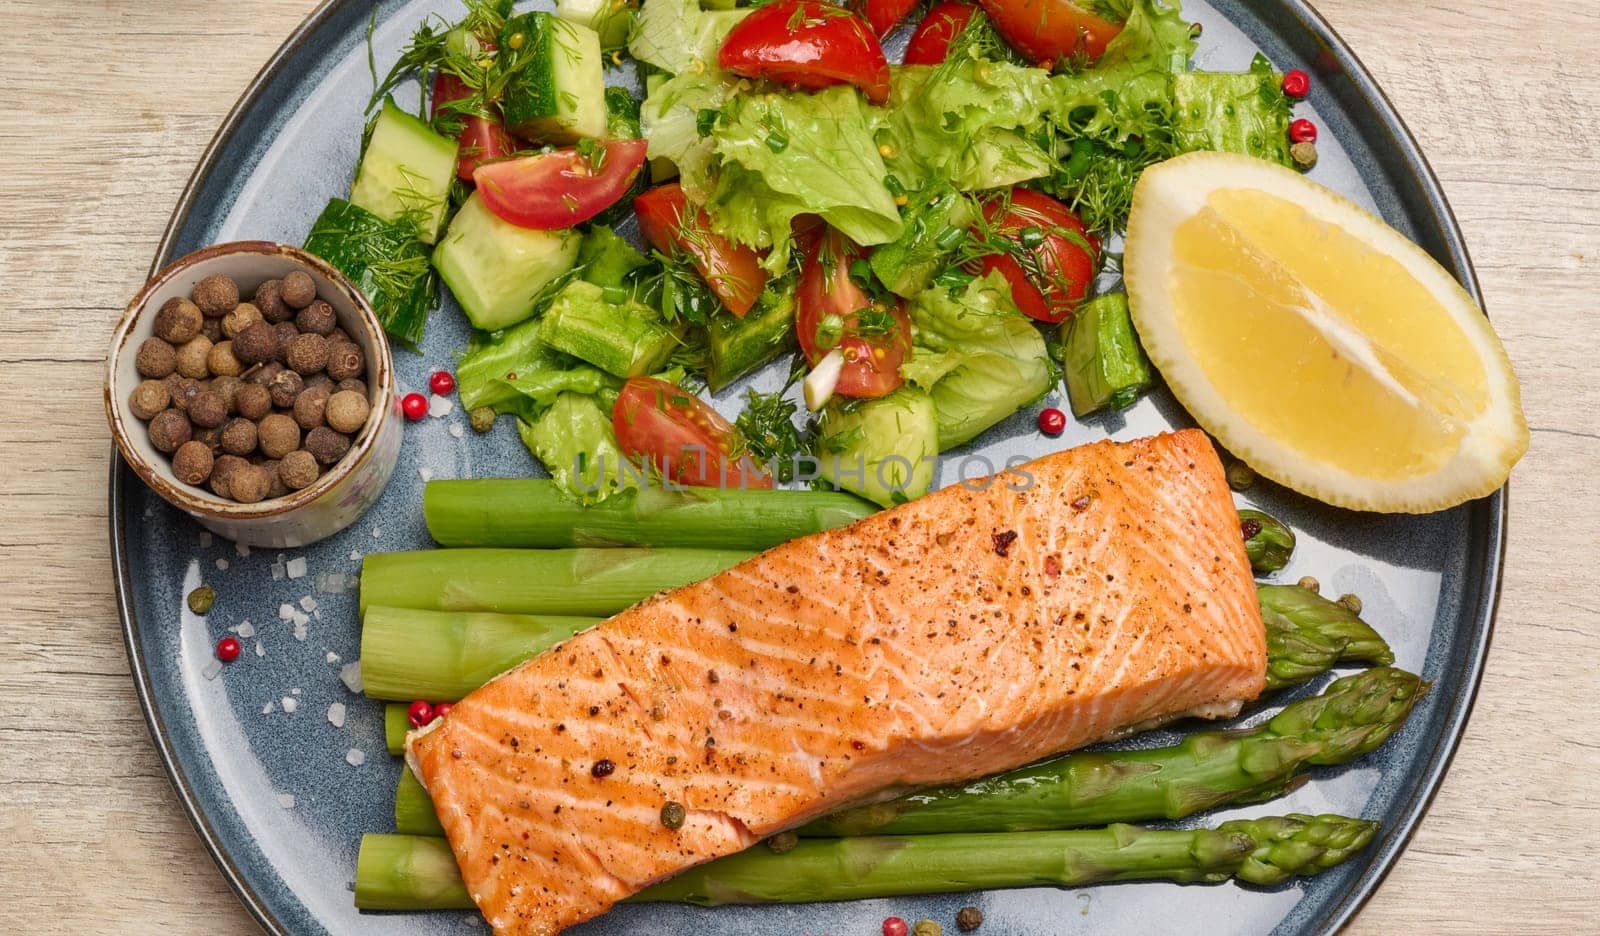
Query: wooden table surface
x,y
104,108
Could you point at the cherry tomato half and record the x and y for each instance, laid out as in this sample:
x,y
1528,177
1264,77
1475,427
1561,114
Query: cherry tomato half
x,y
481,139
683,437
872,357
809,45
930,44
1048,31
884,15
733,271
1053,259
556,190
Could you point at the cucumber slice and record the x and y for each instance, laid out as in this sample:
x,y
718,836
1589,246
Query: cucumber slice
x,y
607,259
623,338
611,19
406,172
740,345
557,90
495,269
385,261
882,449
661,168
1105,365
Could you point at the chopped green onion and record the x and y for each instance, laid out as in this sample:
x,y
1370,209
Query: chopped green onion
x,y
615,295
705,120
950,238
1031,237
893,185
777,141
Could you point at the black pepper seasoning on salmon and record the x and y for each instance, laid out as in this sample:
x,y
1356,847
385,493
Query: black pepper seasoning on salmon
x,y
1003,541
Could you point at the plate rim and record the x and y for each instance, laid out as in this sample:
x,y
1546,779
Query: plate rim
x,y
1379,860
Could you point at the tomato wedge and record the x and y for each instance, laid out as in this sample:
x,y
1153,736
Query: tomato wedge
x,y
562,188
809,45
1052,257
872,355
884,15
684,438
930,44
481,139
733,271
1049,31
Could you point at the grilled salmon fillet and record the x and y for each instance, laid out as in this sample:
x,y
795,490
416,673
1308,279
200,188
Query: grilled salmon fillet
x,y
959,635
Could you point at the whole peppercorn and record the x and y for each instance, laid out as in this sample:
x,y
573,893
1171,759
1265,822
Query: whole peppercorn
x,y
298,469
222,471
148,399
221,361
672,815
257,344
238,436
228,389
1351,602
170,429
1241,477
249,484
192,462
347,411
326,445
276,487
481,418
178,321
1304,155
353,384
1310,584
216,295
263,375
285,387
253,401
207,409
286,332
211,439
339,334
317,318
1302,131
308,353
194,357
603,768
181,389
201,599
212,329
927,928
270,301
277,435
155,358
969,919
783,842
322,381
311,407
243,316
298,289
345,360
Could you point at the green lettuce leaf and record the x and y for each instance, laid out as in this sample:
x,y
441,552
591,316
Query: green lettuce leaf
x,y
1233,113
1131,83
674,35
979,358
575,441
513,371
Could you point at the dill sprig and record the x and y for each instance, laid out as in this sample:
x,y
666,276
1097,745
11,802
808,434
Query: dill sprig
x,y
769,432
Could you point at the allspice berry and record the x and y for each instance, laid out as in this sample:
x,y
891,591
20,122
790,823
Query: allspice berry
x,y
207,409
285,387
178,321
298,289
263,375
192,462
222,472
327,446
228,389
353,384
319,380
269,300
148,399
252,401
243,316
170,429
194,357
310,407
337,335
156,358
276,487
347,411
181,389
249,484
286,333
210,438
345,360
238,436
257,344
277,435
298,469
308,353
318,318
212,329
222,362
216,295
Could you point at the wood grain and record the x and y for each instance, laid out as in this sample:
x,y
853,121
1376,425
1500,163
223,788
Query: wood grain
x,y
104,108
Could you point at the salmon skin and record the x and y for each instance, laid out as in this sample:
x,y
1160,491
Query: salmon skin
x,y
962,634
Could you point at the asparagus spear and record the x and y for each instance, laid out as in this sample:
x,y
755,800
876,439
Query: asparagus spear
x,y
1307,634
536,513
397,872
413,808
1205,770
1267,540
407,653
1104,365
396,722
590,582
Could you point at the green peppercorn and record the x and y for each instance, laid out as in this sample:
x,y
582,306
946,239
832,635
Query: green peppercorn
x,y
1351,601
481,418
783,842
673,815
1310,584
201,599
969,919
927,928
1240,476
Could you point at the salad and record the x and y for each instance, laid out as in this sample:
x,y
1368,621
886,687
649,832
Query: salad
x,y
931,242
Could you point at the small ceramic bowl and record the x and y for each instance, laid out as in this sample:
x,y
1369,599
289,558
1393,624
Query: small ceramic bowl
x,y
346,489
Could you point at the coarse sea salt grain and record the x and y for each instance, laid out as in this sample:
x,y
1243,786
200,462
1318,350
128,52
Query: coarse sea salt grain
x,y
426,474
350,675
268,708
300,618
336,714
244,629
300,632
277,569
377,532
222,564
290,704
308,603
439,406
205,540
211,669
286,800
260,650
332,657
355,555
332,583
241,549
286,612
355,757
456,430
296,567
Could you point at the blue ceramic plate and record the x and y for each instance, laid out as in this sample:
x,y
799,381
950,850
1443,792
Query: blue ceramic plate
x,y
273,793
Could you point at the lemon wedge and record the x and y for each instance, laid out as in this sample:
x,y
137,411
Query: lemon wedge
x,y
1316,342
